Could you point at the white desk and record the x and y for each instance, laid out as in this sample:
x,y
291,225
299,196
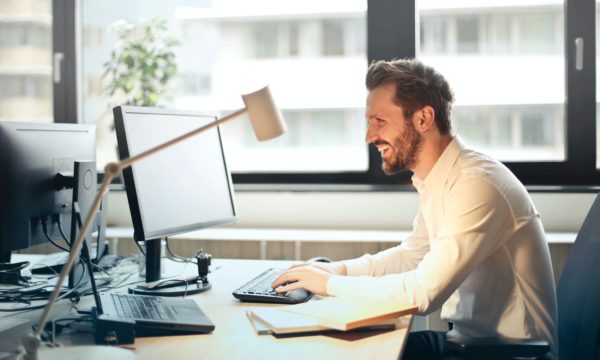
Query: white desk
x,y
234,337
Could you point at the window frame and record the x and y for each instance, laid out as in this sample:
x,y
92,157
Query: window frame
x,y
65,20
392,32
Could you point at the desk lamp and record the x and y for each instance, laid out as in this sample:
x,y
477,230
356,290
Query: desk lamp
x,y
267,123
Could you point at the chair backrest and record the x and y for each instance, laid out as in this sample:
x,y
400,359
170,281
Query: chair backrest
x,y
578,293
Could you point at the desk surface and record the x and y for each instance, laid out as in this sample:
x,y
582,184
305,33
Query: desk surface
x,y
234,338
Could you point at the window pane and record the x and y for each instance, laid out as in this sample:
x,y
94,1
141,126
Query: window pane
x,y
25,60
312,54
506,67
467,34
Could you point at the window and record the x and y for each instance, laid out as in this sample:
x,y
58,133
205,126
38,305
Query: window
x,y
523,93
333,38
467,34
264,40
505,57
314,60
25,60
538,34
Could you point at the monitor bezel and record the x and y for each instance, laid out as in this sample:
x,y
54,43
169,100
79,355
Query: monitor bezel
x,y
120,117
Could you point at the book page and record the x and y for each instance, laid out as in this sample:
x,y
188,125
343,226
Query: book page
x,y
345,313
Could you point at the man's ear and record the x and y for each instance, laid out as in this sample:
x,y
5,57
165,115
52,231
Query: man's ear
x,y
424,119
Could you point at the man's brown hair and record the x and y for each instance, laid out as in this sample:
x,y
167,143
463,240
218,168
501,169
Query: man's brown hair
x,y
417,85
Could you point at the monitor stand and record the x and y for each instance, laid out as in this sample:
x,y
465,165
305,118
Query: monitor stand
x,y
84,191
156,286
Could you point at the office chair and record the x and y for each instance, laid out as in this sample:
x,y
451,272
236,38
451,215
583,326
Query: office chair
x,y
578,296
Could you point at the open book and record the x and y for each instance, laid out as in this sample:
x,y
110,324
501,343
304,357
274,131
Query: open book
x,y
272,320
347,313
269,320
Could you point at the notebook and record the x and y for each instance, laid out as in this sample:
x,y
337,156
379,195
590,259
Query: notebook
x,y
346,313
272,320
281,322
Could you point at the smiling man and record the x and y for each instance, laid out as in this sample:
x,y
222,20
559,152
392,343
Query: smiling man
x,y
477,249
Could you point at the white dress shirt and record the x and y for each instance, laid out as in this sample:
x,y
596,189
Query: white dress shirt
x,y
477,249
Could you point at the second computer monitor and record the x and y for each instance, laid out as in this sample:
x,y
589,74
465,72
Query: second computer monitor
x,y
33,205
183,188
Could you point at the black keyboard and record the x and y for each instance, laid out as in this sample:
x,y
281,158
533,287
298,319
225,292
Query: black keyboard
x,y
141,307
259,290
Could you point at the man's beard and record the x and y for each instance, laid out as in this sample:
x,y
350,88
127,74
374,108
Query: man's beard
x,y
406,148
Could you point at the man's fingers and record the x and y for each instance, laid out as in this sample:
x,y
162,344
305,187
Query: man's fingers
x,y
289,276
289,287
284,278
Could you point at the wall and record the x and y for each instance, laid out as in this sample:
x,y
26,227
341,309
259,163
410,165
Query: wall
x,y
561,212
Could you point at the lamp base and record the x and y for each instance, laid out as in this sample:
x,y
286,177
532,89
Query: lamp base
x,y
31,349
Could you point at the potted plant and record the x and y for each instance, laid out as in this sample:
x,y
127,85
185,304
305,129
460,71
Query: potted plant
x,y
142,62
138,72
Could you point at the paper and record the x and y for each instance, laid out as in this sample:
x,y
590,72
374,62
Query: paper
x,y
346,313
260,327
272,320
281,322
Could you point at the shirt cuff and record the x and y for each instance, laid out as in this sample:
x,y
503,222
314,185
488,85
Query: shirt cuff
x,y
359,266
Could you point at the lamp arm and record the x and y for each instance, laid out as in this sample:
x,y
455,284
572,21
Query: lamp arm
x,y
129,161
112,170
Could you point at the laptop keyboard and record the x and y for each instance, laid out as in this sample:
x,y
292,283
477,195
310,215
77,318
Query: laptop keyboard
x,y
141,307
259,290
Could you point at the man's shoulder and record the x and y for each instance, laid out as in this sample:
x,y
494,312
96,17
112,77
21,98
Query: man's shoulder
x,y
472,163
482,176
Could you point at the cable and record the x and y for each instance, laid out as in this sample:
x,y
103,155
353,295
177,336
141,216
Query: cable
x,y
175,257
62,233
36,307
128,274
45,228
139,247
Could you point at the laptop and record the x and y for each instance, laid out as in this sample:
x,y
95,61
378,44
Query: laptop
x,y
119,317
151,315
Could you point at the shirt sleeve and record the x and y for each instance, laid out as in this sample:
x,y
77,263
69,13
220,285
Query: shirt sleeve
x,y
476,221
401,258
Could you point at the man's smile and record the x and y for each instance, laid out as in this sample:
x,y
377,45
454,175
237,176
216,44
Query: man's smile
x,y
383,148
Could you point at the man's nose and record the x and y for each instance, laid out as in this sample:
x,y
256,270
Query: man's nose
x,y
371,135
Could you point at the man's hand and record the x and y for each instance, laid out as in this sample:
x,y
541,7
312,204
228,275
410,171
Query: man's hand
x,y
310,276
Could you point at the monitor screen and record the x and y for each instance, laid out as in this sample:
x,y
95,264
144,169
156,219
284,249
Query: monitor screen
x,y
31,156
182,188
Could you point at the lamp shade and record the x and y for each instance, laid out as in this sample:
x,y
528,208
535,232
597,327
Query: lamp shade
x,y
265,117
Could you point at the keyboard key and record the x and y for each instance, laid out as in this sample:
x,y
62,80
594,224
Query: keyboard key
x,y
259,289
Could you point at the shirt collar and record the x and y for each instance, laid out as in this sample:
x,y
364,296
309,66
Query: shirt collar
x,y
440,171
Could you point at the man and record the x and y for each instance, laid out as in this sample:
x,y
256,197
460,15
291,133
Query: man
x,y
477,249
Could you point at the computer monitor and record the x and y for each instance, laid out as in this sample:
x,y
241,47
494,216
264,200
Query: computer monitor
x,y
36,165
183,188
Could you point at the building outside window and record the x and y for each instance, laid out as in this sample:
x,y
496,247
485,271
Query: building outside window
x,y
506,66
312,55
26,60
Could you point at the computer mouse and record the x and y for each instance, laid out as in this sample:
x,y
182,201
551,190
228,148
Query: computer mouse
x,y
320,259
